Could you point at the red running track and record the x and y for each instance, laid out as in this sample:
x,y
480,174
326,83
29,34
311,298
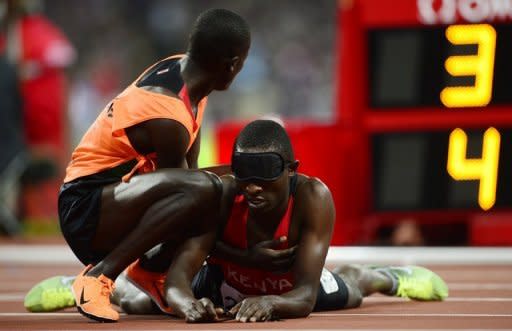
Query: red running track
x,y
480,298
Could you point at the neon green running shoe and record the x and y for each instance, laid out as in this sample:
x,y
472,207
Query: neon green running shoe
x,y
50,295
418,283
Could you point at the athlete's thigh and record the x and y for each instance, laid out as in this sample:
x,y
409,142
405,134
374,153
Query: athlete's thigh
x,y
124,204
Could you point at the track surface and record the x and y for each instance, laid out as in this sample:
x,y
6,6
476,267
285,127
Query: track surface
x,y
480,298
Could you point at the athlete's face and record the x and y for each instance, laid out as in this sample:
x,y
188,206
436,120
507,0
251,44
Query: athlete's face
x,y
229,70
266,196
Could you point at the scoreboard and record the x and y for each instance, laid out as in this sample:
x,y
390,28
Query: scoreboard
x,y
425,99
423,125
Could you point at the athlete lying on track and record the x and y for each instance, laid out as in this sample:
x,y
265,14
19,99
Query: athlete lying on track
x,y
268,260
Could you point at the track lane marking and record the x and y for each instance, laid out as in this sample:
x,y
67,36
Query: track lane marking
x,y
410,315
341,314
20,296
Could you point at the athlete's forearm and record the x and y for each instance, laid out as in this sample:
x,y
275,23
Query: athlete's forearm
x,y
294,304
219,170
178,298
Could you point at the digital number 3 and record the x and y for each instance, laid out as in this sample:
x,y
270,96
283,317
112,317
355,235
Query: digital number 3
x,y
480,65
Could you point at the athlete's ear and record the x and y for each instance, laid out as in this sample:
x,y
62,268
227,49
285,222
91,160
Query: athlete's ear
x,y
293,167
233,63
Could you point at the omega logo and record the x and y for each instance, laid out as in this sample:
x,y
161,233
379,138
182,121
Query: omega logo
x,y
448,11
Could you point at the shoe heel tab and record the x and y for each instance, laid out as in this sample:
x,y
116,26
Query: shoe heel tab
x,y
86,269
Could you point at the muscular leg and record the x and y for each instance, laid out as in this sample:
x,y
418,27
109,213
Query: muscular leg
x,y
413,282
367,280
160,257
355,297
131,299
149,210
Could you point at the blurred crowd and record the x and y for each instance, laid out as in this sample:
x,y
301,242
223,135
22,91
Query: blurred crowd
x,y
61,61
289,70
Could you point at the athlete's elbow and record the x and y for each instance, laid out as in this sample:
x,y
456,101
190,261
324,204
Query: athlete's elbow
x,y
304,304
304,308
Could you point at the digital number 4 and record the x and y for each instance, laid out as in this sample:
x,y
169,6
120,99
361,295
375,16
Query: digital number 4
x,y
484,169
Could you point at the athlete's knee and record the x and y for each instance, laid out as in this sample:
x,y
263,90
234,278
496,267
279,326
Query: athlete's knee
x,y
215,186
355,296
205,188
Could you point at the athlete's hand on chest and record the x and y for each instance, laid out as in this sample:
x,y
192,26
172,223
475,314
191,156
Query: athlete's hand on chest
x,y
265,256
256,309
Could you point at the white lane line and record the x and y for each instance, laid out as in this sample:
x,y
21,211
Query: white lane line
x,y
230,329
20,296
39,315
341,314
449,299
13,284
479,286
12,297
451,285
61,254
420,255
299,329
410,315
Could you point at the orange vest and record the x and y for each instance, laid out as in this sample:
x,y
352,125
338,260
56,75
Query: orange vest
x,y
105,145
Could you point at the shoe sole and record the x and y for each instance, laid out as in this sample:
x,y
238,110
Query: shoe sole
x,y
93,317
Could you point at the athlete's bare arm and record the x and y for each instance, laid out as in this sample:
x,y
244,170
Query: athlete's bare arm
x,y
193,153
188,262
167,138
316,210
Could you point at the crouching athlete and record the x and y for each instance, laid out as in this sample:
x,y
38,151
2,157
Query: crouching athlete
x,y
132,181
269,255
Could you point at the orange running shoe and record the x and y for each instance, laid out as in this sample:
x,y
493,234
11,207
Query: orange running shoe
x,y
151,283
92,296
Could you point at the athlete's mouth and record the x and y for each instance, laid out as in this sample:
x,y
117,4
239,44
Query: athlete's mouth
x,y
256,202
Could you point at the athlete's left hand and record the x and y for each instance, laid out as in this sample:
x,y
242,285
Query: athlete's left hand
x,y
200,311
257,309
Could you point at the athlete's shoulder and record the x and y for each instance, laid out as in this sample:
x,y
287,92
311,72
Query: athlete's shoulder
x,y
314,202
312,187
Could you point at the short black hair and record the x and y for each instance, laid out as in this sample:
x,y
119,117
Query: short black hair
x,y
218,34
265,135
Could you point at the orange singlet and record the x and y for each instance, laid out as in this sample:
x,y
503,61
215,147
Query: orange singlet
x,y
105,145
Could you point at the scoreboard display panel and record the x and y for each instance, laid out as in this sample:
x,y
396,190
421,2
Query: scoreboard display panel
x,y
418,171
425,93
449,67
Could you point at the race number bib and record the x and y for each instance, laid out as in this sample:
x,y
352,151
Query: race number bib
x,y
230,296
328,282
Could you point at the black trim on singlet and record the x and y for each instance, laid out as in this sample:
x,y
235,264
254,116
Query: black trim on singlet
x,y
166,74
293,185
107,176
